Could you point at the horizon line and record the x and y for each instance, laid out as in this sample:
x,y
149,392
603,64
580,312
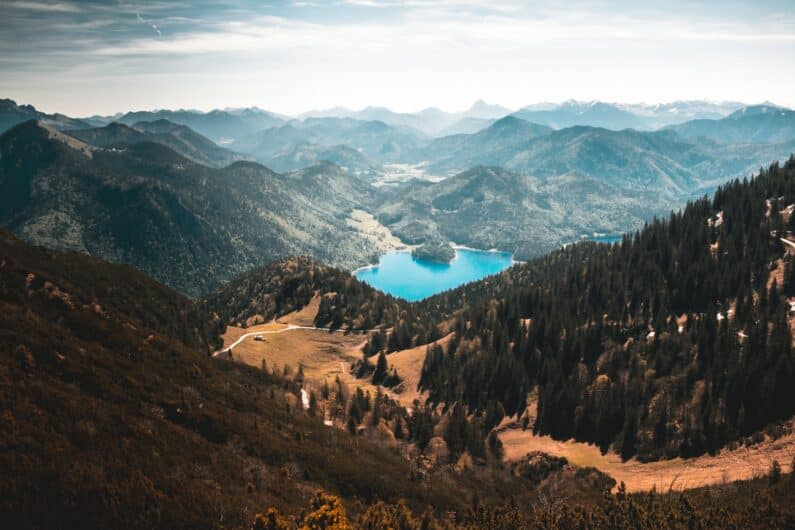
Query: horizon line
x,y
301,114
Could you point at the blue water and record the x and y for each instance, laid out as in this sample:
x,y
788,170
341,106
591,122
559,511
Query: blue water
x,y
401,275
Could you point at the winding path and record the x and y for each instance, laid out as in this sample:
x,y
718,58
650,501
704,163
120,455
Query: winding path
x,y
290,327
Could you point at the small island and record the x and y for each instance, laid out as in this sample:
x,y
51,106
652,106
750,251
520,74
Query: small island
x,y
434,251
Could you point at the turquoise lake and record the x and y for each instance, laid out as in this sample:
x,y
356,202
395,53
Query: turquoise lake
x,y
401,275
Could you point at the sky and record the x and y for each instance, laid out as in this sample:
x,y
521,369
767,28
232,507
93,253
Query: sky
x,y
102,57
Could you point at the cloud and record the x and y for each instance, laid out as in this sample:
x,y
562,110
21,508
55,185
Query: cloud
x,y
51,7
428,50
435,30
367,3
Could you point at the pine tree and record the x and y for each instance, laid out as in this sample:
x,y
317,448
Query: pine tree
x,y
381,368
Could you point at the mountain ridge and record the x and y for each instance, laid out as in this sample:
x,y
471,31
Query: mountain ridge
x,y
187,224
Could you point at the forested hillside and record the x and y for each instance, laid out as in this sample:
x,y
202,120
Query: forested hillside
x,y
180,138
187,225
674,342
114,416
345,302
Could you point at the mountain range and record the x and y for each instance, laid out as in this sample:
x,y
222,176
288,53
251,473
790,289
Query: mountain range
x,y
617,116
430,121
211,211
374,139
749,125
186,224
222,126
180,138
491,207
12,114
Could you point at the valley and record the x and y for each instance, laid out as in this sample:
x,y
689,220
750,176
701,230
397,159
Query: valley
x,y
326,357
397,265
514,185
489,385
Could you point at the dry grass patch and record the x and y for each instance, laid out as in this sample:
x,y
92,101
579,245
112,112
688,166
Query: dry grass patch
x,y
408,364
318,351
234,332
304,316
371,229
678,474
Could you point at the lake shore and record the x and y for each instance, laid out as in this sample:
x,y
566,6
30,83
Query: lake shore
x,y
400,274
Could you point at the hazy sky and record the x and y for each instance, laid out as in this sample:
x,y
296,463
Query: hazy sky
x,y
86,57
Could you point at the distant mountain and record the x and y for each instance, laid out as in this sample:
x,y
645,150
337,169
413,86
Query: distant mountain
x,y
544,188
571,113
618,116
755,124
466,126
491,207
481,109
431,121
376,140
627,159
658,161
305,155
219,125
664,114
188,225
11,114
180,138
490,146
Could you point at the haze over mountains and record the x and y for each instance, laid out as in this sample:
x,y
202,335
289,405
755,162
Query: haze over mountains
x,y
205,182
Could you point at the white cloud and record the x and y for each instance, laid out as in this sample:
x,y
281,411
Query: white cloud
x,y
410,54
436,32
53,7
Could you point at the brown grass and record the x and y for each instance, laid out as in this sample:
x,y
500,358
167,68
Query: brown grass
x,y
409,367
324,356
233,332
678,474
370,228
304,316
